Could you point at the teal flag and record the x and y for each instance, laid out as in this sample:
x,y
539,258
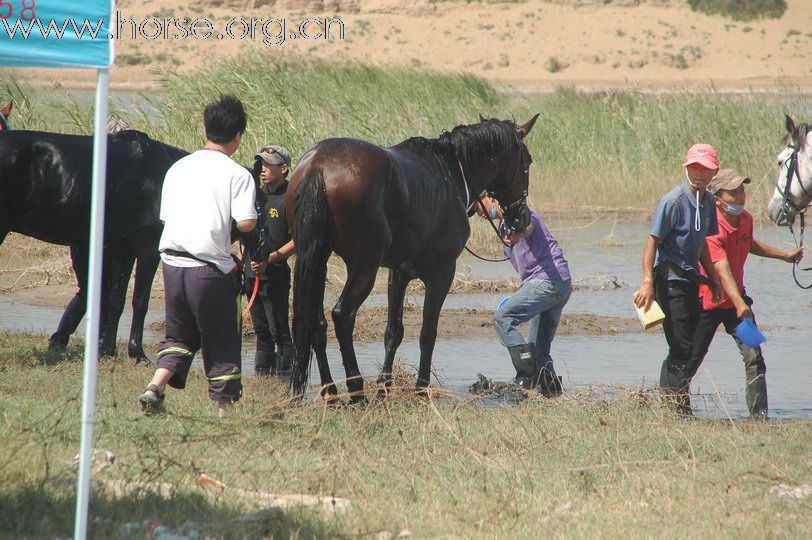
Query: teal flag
x,y
56,33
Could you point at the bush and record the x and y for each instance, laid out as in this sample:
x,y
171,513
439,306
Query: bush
x,y
741,10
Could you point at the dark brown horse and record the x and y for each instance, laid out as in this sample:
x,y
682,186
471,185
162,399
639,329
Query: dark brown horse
x,y
404,207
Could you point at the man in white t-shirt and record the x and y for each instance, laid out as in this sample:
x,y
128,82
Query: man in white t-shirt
x,y
202,194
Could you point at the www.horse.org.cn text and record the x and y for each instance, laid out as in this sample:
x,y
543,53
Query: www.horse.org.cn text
x,y
272,32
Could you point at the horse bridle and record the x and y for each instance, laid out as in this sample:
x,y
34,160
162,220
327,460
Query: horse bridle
x,y
787,203
525,168
792,172
521,201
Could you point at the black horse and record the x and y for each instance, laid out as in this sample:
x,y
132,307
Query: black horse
x,y
45,187
406,208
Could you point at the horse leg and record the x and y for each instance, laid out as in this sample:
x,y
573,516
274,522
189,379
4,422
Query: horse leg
x,y
328,387
437,286
360,279
393,337
75,309
113,299
148,259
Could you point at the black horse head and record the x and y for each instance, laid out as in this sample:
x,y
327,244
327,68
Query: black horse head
x,y
510,188
497,161
4,112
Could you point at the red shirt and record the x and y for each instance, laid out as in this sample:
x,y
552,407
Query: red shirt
x,y
733,245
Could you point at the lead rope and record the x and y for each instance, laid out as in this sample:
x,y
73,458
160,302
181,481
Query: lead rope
x,y
468,206
799,242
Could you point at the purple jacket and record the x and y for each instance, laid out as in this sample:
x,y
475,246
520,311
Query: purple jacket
x,y
538,256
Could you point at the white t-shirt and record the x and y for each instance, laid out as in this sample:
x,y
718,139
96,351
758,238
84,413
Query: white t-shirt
x,y
202,193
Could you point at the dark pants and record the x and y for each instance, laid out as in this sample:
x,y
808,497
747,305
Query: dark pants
x,y
201,312
679,301
754,367
269,314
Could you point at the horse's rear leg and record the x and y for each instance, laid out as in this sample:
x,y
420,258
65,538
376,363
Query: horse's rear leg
x,y
437,287
148,259
360,279
328,387
75,309
393,337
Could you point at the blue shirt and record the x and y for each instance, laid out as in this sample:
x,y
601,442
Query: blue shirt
x,y
675,226
538,256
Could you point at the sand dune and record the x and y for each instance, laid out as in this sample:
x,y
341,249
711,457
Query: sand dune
x,y
533,44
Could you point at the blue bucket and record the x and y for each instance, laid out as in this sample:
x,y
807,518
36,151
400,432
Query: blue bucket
x,y
502,302
749,334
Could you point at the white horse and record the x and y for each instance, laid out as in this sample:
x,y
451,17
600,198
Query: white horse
x,y
793,188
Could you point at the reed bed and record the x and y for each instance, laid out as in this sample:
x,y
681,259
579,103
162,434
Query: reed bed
x,y
593,152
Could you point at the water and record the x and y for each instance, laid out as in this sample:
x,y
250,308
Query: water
x,y
631,360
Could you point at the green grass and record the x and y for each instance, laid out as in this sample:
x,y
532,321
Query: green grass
x,y
741,10
580,467
607,150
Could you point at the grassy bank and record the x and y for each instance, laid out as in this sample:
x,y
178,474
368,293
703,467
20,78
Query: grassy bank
x,y
451,466
616,150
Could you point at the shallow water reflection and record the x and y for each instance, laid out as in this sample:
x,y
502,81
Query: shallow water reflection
x,y
630,360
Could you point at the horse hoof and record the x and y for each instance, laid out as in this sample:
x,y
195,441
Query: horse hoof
x,y
139,357
330,396
359,400
422,392
384,387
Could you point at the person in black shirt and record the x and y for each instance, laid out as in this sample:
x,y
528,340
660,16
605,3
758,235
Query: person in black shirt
x,y
269,312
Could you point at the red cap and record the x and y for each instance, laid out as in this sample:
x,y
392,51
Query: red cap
x,y
703,154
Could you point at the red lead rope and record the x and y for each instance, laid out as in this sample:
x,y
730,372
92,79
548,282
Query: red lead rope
x,y
253,295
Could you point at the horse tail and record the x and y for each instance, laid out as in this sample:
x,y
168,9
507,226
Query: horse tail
x,y
310,272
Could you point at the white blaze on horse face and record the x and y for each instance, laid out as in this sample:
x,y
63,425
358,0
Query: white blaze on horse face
x,y
797,191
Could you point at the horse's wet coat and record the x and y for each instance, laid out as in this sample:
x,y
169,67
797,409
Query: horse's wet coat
x,y
45,186
405,207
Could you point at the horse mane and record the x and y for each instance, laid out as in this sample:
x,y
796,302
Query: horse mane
x,y
470,144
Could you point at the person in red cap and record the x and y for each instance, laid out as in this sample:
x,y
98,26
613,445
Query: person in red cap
x,y
728,252
684,217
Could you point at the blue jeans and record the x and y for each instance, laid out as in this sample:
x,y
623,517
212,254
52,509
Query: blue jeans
x,y
539,301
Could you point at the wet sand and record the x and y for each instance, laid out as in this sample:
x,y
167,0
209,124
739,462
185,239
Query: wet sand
x,y
458,323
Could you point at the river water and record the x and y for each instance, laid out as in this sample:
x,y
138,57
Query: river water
x,y
598,253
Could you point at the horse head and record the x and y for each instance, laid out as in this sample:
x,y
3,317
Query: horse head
x,y
793,187
4,112
511,180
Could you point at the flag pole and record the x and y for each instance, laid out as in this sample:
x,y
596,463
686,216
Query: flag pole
x,y
93,300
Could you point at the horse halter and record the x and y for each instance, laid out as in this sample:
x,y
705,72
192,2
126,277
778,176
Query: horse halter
x,y
792,172
786,204
518,204
4,126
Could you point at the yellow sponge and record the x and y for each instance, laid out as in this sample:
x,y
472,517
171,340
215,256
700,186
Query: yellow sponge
x,y
651,317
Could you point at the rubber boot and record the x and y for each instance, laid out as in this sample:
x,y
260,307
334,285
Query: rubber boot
x,y
549,383
524,360
264,363
756,395
285,360
674,386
